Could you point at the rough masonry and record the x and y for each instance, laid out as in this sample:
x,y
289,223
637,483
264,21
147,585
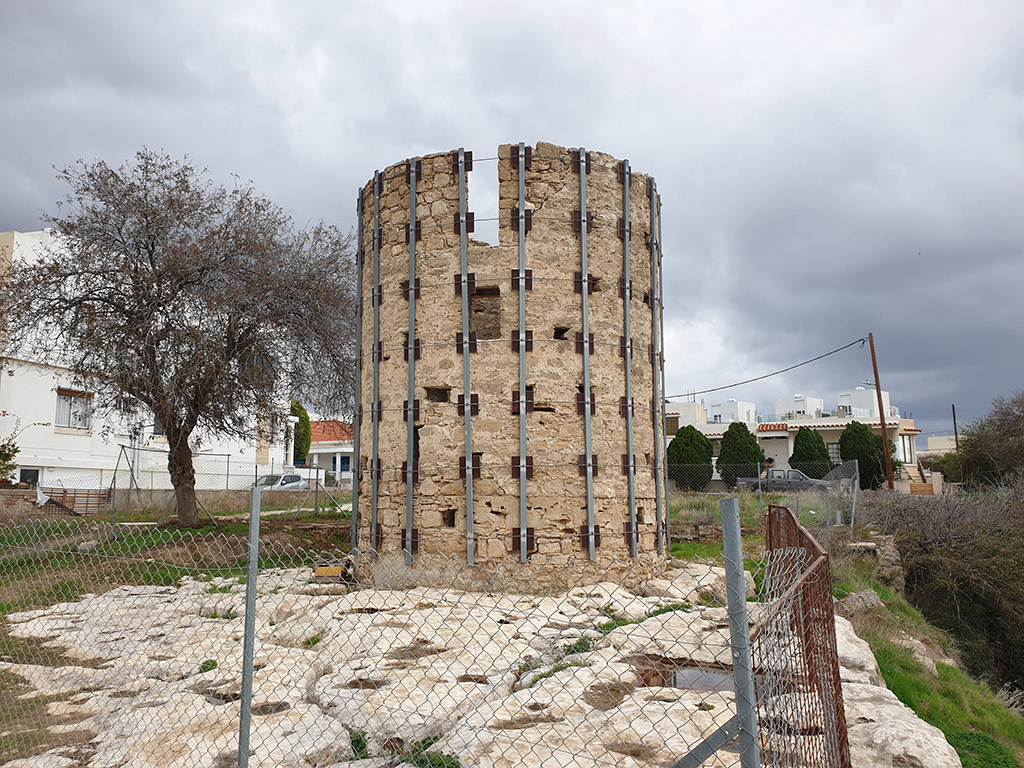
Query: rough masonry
x,y
508,393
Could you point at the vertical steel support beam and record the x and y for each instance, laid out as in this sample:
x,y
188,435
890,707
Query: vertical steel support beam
x,y
357,416
660,351
410,411
739,633
374,406
588,437
466,380
523,520
249,636
659,442
627,293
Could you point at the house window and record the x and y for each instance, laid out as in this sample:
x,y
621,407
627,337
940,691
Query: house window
x,y
28,476
73,409
833,453
346,463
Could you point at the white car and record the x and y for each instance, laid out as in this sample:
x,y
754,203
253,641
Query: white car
x,y
282,483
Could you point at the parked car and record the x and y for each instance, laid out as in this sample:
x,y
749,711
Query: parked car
x,y
781,480
282,483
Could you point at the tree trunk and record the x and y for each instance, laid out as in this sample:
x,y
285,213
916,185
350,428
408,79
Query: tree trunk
x,y
183,478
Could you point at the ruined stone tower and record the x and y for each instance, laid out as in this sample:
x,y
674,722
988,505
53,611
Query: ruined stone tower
x,y
509,393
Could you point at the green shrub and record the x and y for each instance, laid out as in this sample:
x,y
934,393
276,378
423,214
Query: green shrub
x,y
740,456
303,431
689,459
810,455
859,442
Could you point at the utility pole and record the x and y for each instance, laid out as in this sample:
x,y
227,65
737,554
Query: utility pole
x,y
956,433
881,415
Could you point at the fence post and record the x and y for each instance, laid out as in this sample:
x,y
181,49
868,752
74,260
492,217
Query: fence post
x,y
739,633
760,503
856,490
316,490
113,489
249,642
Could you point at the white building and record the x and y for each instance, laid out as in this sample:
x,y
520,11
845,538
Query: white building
x,y
862,403
330,449
64,443
732,410
777,434
800,407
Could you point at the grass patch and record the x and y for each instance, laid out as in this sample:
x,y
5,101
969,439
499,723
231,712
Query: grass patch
x,y
979,750
690,550
975,722
555,669
27,721
977,725
703,508
360,748
582,645
417,754
207,666
685,607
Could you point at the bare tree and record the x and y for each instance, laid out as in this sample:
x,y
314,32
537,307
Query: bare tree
x,y
992,447
205,304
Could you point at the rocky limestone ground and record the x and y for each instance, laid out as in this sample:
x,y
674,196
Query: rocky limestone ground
x,y
150,676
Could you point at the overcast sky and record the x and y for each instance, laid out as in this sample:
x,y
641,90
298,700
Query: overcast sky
x,y
826,169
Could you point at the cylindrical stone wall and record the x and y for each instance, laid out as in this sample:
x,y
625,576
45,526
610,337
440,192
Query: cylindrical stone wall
x,y
574,508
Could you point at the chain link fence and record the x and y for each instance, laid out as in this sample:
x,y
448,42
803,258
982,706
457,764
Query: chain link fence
x,y
139,487
126,645
822,495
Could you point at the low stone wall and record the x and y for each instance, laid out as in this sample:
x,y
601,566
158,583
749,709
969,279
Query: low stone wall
x,y
10,496
214,501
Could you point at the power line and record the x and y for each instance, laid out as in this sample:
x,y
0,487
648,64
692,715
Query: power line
x,y
769,375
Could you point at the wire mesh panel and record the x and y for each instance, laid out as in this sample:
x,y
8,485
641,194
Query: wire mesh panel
x,y
801,719
122,645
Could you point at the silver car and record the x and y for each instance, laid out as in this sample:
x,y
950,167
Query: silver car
x,y
282,483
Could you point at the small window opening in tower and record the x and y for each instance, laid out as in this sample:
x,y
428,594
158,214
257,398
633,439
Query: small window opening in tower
x,y
560,333
438,394
485,312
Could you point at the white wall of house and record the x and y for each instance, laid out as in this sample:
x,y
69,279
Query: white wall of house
x,y
72,446
863,403
682,414
733,410
778,448
799,407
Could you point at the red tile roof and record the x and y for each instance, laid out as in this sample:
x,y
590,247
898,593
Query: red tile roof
x,y
332,431
772,426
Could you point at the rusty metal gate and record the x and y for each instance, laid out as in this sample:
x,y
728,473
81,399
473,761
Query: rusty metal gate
x,y
801,719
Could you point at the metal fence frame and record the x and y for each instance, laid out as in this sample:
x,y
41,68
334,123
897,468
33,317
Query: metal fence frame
x,y
807,684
